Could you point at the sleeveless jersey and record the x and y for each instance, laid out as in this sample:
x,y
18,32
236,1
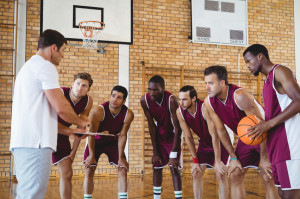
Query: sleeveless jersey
x,y
78,107
198,124
283,139
111,123
162,114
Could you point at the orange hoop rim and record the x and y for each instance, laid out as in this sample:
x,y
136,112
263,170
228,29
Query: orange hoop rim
x,y
102,24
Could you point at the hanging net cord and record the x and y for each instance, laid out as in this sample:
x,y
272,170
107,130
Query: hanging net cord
x,y
91,31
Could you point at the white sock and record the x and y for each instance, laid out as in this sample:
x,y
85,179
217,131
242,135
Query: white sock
x,y
156,192
178,194
123,195
87,196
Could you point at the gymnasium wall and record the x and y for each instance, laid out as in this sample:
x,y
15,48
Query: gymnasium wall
x,y
160,38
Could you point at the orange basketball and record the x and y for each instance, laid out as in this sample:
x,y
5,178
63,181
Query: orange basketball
x,y
246,123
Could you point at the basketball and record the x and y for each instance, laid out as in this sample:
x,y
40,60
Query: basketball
x,y
246,123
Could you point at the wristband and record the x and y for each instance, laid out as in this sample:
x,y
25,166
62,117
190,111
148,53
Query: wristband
x,y
173,154
195,160
233,158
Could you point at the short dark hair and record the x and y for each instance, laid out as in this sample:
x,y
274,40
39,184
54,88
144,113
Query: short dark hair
x,y
158,79
192,90
120,89
255,49
85,76
220,71
50,37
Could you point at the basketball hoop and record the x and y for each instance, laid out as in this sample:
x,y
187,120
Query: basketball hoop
x,y
91,31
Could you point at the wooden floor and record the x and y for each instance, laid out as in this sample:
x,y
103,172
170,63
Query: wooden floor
x,y
141,187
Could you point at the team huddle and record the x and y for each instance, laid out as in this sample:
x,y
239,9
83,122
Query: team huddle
x,y
277,159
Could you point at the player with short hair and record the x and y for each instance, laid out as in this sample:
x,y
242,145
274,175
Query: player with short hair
x,y
64,155
192,114
161,105
227,104
281,95
114,118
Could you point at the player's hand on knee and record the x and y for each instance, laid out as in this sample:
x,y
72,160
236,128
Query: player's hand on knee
x,y
219,167
196,168
156,158
90,161
234,164
265,167
173,163
123,163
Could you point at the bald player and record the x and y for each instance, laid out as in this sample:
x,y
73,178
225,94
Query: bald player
x,y
281,95
192,114
227,104
64,156
114,118
165,132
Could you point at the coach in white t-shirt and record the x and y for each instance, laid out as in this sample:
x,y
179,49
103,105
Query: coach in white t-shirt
x,y
37,101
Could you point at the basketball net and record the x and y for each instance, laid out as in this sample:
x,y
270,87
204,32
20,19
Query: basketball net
x,y
91,31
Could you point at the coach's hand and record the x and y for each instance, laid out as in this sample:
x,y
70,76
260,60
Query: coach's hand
x,y
196,168
90,161
233,164
155,159
123,163
173,163
219,167
265,167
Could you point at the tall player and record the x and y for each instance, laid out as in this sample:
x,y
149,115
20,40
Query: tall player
x,y
64,156
114,118
192,115
161,105
281,95
228,104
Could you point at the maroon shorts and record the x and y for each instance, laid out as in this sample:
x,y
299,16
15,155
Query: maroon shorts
x,y
63,149
248,155
111,150
164,150
206,156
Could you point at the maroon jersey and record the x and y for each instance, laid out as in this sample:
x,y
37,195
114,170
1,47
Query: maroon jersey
x,y
162,114
228,111
78,107
111,123
198,124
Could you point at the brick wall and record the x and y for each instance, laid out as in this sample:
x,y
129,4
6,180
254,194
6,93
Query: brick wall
x,y
161,29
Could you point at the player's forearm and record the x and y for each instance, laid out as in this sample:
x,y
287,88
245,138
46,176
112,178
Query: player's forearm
x,y
191,146
177,140
153,140
291,110
121,145
263,150
217,149
91,145
225,139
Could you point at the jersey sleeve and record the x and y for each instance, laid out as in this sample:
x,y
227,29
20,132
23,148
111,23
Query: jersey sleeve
x,y
48,75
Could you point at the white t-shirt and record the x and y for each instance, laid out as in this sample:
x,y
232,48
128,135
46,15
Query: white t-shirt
x,y
34,121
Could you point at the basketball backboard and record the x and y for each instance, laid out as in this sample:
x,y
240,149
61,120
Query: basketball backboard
x,y
65,15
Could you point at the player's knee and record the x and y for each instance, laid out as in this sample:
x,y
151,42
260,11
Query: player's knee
x,y
157,171
220,177
236,176
122,172
196,174
89,172
67,175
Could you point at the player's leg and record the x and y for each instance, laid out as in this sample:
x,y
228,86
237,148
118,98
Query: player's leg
x,y
271,189
157,182
88,183
122,183
66,173
223,185
176,175
198,182
237,184
289,194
